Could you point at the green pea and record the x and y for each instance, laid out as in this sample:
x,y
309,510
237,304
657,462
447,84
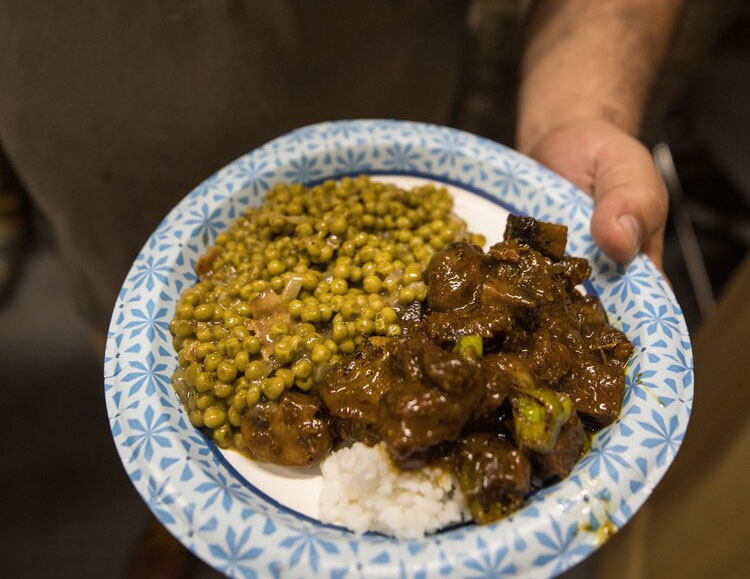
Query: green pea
x,y
241,360
202,350
275,267
211,361
411,276
305,329
372,284
350,310
347,346
384,268
277,284
203,312
222,389
389,315
320,353
302,368
243,309
310,280
303,383
205,400
203,333
286,375
235,418
339,333
365,326
196,418
366,254
231,346
222,436
255,370
311,314
226,371
191,297
369,268
259,285
251,345
295,309
341,270
272,387
204,382
339,286
282,352
406,295
252,395
185,311
355,274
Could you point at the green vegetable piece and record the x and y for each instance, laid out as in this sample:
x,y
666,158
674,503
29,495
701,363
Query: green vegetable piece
x,y
469,346
538,416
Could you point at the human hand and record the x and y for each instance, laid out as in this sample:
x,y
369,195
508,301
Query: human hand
x,y
630,198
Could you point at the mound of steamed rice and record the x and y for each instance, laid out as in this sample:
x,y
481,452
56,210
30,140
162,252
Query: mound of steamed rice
x,y
364,491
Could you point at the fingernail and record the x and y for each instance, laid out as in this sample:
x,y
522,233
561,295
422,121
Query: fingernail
x,y
632,229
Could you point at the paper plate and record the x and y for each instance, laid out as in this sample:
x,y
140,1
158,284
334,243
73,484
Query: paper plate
x,y
251,520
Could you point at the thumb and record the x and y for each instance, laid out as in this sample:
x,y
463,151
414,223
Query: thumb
x,y
630,201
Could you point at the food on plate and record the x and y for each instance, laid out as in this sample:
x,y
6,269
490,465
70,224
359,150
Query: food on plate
x,y
293,286
485,393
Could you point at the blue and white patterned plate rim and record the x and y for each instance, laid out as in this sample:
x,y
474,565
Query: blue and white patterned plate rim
x,y
200,500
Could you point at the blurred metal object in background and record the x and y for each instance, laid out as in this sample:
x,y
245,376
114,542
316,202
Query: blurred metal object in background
x,y
686,236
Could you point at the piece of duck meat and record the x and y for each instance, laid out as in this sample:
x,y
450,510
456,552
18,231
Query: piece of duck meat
x,y
548,238
558,463
493,474
595,390
288,431
573,270
549,359
611,345
454,277
486,322
353,389
435,394
588,312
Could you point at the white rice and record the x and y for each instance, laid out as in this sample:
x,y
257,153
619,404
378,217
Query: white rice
x,y
364,491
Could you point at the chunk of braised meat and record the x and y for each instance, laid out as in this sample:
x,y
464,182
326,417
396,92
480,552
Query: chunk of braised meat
x,y
288,431
454,277
573,270
549,359
558,463
433,396
409,393
498,380
493,474
486,322
548,238
596,391
353,389
528,271
412,317
587,311
611,345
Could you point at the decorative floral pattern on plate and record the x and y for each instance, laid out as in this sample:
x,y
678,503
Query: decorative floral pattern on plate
x,y
231,525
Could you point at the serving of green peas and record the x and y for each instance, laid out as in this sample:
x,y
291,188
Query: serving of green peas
x,y
294,285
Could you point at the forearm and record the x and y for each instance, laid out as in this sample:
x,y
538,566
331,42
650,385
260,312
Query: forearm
x,y
590,59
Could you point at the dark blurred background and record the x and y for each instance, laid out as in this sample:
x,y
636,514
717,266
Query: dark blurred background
x,y
68,508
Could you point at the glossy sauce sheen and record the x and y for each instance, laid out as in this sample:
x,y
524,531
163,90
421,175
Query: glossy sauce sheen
x,y
503,419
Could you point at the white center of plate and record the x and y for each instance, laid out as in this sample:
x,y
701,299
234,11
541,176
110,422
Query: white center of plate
x,y
299,489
